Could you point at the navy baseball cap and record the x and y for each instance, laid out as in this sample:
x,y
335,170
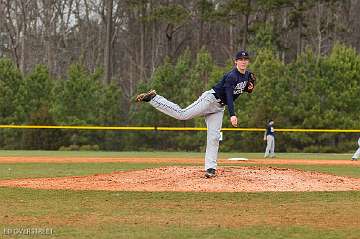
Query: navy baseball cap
x,y
242,54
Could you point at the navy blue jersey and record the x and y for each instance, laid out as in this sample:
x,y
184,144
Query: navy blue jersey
x,y
230,87
270,130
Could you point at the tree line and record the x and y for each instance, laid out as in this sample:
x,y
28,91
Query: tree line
x,y
129,39
309,92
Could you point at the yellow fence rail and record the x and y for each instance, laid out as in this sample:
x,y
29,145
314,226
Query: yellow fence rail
x,y
154,128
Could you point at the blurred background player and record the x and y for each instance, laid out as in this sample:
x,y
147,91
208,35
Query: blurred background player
x,y
357,153
269,137
211,105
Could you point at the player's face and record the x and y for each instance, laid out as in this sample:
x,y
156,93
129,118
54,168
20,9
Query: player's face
x,y
242,63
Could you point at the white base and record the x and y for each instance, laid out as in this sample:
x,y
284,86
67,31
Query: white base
x,y
238,159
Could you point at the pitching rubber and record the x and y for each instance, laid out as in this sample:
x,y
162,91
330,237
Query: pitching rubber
x,y
238,159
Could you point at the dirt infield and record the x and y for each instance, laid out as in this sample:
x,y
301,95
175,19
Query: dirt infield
x,y
191,178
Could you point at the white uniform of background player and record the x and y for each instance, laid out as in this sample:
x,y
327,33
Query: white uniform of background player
x,y
357,153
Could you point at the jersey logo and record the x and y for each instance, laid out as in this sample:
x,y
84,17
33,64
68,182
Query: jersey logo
x,y
239,88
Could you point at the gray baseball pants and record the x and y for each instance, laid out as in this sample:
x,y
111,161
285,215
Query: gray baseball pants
x,y
357,153
270,146
206,105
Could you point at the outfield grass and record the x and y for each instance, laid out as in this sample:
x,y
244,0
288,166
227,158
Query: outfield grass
x,y
94,214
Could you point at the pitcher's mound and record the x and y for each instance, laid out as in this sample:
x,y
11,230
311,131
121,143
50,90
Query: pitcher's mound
x,y
228,179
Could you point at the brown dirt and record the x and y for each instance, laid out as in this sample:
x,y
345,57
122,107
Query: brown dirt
x,y
229,179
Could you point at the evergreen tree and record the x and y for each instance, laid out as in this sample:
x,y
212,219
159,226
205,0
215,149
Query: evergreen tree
x,y
10,81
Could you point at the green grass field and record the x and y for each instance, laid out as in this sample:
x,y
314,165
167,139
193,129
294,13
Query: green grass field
x,y
101,214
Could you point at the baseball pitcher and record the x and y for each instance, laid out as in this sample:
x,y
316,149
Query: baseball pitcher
x,y
211,104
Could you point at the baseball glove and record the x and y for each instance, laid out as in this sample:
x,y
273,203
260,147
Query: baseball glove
x,y
251,83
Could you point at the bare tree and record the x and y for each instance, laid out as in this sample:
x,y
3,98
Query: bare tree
x,y
48,16
130,39
108,44
246,25
300,27
13,27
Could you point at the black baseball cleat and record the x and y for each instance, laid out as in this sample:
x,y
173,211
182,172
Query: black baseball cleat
x,y
146,96
354,159
210,173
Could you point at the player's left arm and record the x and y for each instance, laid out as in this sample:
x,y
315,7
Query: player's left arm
x,y
265,135
229,89
251,83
